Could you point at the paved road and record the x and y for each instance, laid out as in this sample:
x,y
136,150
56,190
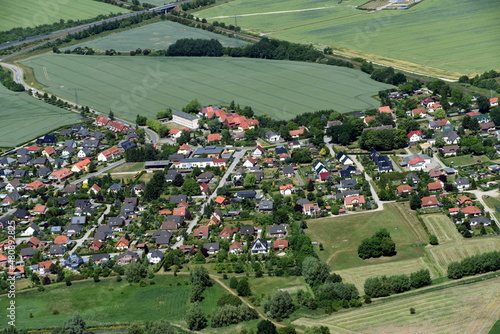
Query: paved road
x,y
18,77
479,195
299,178
237,157
79,242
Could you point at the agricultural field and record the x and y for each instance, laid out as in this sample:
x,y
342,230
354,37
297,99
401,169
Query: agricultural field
x,y
438,257
24,117
342,235
156,36
108,302
468,309
460,33
442,227
145,85
31,13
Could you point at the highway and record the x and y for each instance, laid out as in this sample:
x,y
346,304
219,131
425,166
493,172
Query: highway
x,y
62,33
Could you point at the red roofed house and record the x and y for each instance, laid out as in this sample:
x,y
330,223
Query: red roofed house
x,y
471,210
60,175
236,247
37,184
418,112
95,189
494,102
184,149
48,151
44,267
352,201
118,127
429,202
80,166
464,200
102,121
404,189
323,176
287,189
435,173
175,133
33,242
311,209
416,163
453,211
33,148
40,209
414,136
3,260
435,186
201,232
296,133
220,200
368,119
280,244
205,189
95,245
179,212
214,137
226,233
122,244
109,154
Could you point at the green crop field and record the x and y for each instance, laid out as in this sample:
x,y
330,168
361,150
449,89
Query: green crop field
x,y
467,309
156,36
31,13
464,160
442,227
341,236
145,85
24,117
437,37
108,302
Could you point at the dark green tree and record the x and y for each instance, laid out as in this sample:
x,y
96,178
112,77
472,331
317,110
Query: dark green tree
x,y
266,327
195,317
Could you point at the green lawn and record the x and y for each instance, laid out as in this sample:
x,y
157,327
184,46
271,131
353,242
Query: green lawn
x,y
128,167
341,236
31,13
24,117
438,37
464,160
493,203
156,36
109,302
145,85
496,328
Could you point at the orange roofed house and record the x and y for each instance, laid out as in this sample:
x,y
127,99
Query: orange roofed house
x,y
429,202
61,174
81,166
109,154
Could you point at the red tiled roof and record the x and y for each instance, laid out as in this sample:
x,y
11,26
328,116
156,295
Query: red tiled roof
x,y
385,109
415,132
471,210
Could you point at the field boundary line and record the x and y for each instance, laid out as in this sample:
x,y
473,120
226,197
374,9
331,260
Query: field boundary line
x,y
277,12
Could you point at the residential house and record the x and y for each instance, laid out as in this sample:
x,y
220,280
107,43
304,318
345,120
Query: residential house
x,y
214,137
27,253
280,244
258,152
438,124
122,244
57,250
202,232
155,256
236,248
247,230
74,261
480,221
449,137
450,150
347,184
471,211
250,194
344,159
311,209
435,186
35,185
287,189
266,205
81,166
289,171
384,164
109,154
259,246
127,258
404,189
30,230
435,173
272,136
73,229
487,127
60,175
462,183
40,209
354,201
211,248
493,101
319,167
100,258
278,231
95,245
416,164
11,198
429,202
118,127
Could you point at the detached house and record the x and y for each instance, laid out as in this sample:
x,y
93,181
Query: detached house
x,y
462,183
272,136
429,202
60,175
311,209
259,246
109,154
353,201
414,136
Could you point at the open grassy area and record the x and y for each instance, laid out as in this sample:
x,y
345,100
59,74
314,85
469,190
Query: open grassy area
x,y
156,36
31,13
496,328
464,160
24,117
109,302
442,227
341,236
128,167
493,203
146,85
471,309
460,33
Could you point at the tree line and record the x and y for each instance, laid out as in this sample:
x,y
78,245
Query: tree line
x,y
380,244
9,83
384,286
476,264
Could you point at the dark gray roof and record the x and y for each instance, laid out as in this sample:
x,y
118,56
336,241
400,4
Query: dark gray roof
x,y
277,229
266,205
100,257
211,246
178,198
185,115
57,250
247,230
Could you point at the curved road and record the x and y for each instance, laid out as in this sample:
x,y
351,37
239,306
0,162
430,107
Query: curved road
x,y
18,78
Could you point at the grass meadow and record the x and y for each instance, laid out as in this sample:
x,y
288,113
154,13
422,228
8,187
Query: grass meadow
x,y
436,37
442,227
31,13
465,160
145,85
24,117
109,302
467,309
493,203
156,36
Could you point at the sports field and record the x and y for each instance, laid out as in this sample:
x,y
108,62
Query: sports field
x,y
24,117
108,302
438,37
156,36
467,309
31,13
145,85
